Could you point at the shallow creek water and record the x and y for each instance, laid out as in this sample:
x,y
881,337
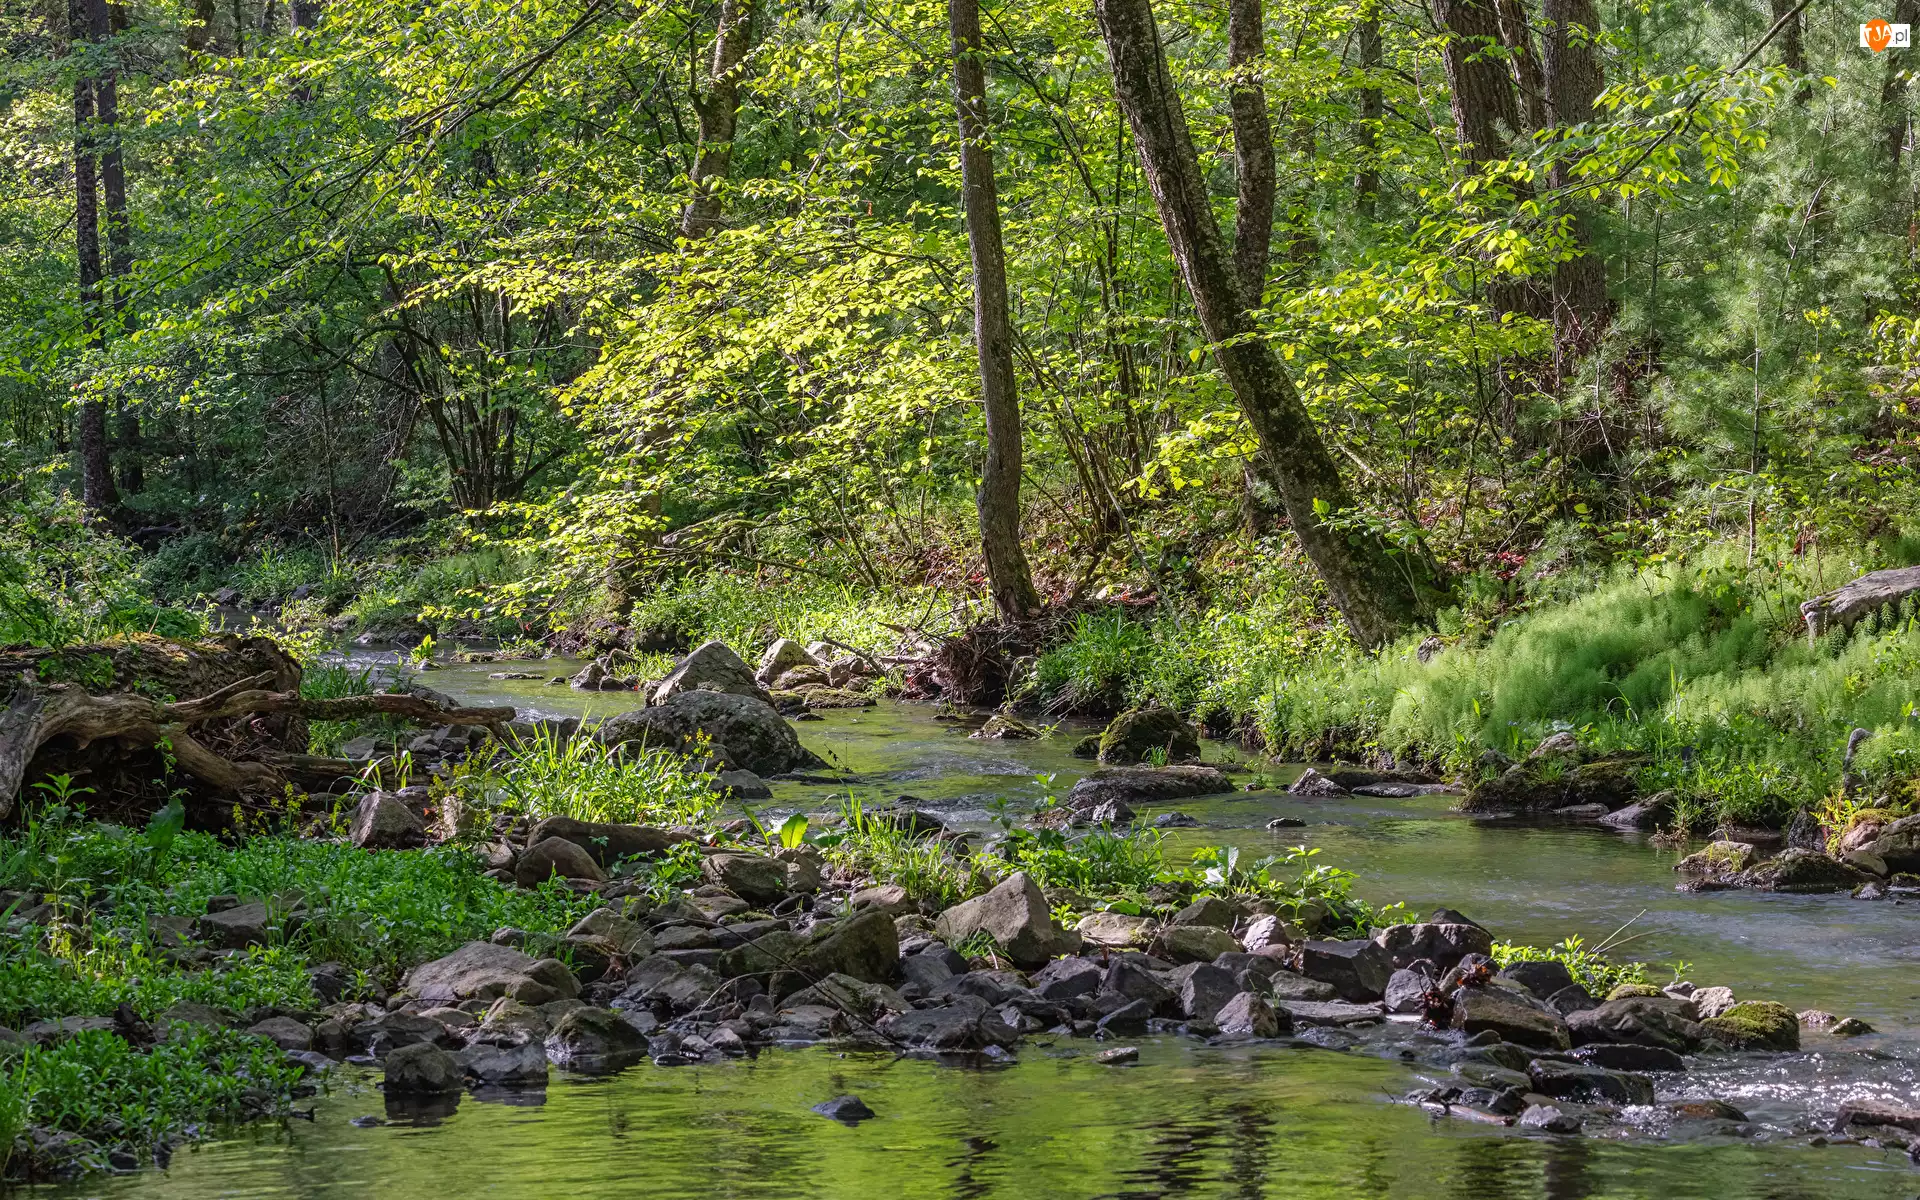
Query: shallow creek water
x,y
1269,1121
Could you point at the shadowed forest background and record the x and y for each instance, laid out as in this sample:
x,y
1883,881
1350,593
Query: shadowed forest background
x,y
617,325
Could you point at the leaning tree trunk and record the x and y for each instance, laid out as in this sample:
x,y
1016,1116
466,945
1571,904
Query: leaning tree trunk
x,y
1253,167
1378,591
1574,83
1008,576
718,111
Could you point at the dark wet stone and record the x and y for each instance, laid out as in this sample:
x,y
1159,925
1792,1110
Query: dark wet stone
x,y
1065,978
1642,1020
1705,1110
1619,1056
1127,1020
1443,945
1579,1081
1508,1013
1407,991
1358,969
1548,1119
1543,979
850,1110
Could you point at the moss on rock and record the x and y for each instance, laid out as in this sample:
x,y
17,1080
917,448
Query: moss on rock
x,y
1756,1025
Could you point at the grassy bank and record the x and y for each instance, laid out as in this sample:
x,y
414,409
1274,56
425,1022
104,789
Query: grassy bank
x,y
1704,666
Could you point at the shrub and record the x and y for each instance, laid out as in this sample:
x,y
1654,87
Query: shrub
x,y
98,1086
580,778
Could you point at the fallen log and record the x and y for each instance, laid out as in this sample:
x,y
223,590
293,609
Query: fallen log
x,y
1843,607
245,739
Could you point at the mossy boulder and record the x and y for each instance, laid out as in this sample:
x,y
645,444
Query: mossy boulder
x,y
1720,859
1556,781
1804,872
1633,989
1136,735
1756,1025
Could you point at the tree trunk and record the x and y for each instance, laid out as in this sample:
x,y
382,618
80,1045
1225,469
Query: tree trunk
x,y
1486,118
1366,185
87,26
1252,149
113,193
718,110
1791,39
1893,91
1376,590
1517,36
1574,81
200,31
1484,113
1008,576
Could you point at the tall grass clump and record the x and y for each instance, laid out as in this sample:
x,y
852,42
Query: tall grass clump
x,y
14,1109
873,845
580,778
1705,669
1092,671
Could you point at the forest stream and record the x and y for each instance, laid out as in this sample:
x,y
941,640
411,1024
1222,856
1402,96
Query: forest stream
x,y
1272,1120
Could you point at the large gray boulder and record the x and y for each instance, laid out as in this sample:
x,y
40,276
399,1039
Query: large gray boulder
x,y
556,856
1196,943
1639,1020
748,876
1841,608
1016,916
1138,733
1443,945
1545,978
746,728
594,1037
1511,1014
1204,990
382,821
709,667
607,842
422,1069
784,655
954,1028
1250,1015
1804,872
1580,1081
865,945
484,971
1357,969
489,1064
1899,845
1123,786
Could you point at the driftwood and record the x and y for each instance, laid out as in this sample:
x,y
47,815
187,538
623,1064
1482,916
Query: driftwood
x,y
37,716
1843,607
